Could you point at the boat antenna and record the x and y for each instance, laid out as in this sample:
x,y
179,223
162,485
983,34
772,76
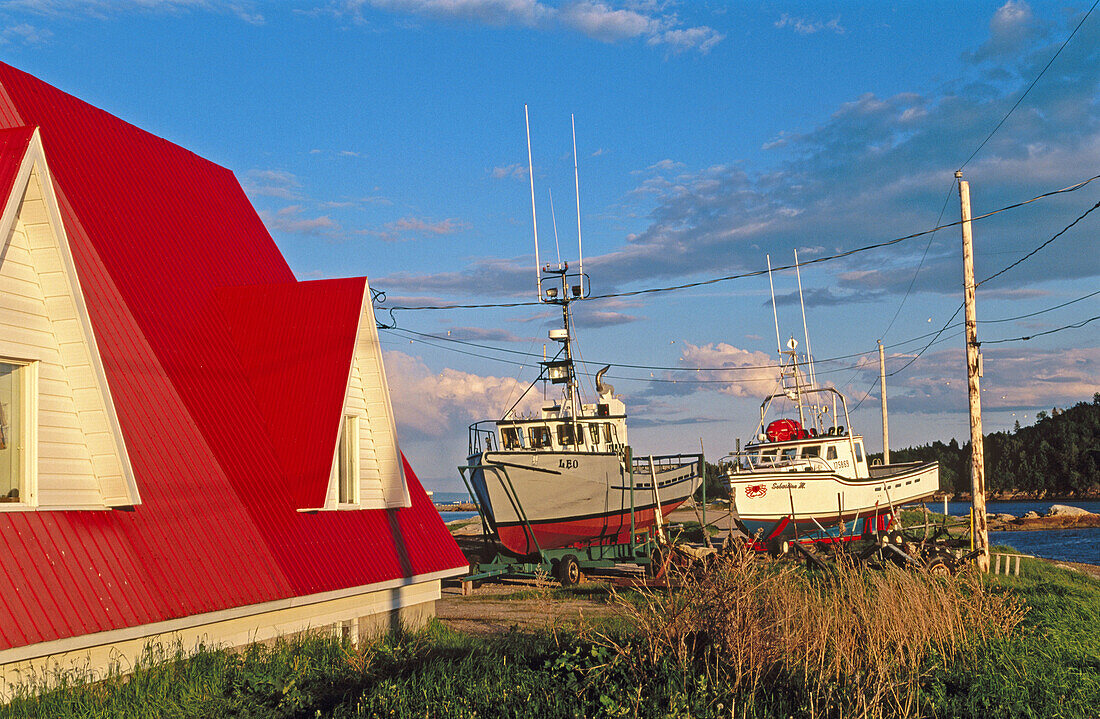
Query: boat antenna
x,y
805,332
577,183
554,217
775,313
534,221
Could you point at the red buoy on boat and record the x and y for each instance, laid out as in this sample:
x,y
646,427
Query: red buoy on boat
x,y
782,430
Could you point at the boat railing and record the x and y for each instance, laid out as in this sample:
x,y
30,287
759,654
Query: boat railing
x,y
482,439
748,461
641,463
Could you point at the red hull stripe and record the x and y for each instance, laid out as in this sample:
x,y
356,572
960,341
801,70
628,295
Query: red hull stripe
x,y
583,532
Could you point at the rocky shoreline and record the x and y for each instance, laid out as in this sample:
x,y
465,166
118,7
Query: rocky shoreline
x,y
1060,516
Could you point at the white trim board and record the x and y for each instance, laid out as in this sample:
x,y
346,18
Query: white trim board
x,y
114,636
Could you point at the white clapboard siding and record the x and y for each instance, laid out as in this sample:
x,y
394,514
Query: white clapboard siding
x,y
381,474
380,427
81,461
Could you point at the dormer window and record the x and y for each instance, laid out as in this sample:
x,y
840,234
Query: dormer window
x,y
16,395
347,465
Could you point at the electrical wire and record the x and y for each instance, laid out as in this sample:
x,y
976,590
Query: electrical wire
x,y
757,273
922,258
1032,253
1029,87
1073,326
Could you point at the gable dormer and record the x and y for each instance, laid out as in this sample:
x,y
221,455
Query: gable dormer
x,y
61,446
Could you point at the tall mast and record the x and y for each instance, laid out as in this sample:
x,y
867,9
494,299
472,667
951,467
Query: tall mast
x,y
805,332
775,313
577,183
534,220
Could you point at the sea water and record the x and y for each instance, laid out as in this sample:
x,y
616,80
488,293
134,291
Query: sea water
x,y
1067,545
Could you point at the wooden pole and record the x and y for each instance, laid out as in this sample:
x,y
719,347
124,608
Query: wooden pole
x,y
885,421
973,372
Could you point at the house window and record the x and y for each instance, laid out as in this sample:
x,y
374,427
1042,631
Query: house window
x,y
13,413
565,435
348,462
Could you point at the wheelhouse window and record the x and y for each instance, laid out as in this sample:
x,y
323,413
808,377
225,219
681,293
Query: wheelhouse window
x,y
830,453
859,451
565,435
347,463
811,451
512,437
790,453
607,432
540,437
12,431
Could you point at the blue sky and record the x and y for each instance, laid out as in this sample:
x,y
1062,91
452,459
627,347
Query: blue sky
x,y
386,138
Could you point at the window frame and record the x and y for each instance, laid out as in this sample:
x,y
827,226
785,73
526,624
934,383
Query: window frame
x,y
347,463
27,439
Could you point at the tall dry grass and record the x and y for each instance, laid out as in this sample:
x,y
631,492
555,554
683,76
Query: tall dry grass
x,y
847,642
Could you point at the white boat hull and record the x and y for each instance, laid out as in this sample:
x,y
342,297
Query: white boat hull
x,y
816,503
548,500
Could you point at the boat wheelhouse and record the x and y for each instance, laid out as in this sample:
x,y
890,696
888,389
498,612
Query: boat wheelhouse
x,y
568,477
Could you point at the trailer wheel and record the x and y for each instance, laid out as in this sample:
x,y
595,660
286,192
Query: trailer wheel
x,y
569,571
937,565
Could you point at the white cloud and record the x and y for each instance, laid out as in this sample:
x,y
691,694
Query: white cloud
x,y
272,183
1015,377
750,374
514,170
289,219
804,26
243,9
25,33
600,21
440,404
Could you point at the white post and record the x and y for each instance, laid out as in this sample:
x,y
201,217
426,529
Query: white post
x,y
973,362
885,422
657,516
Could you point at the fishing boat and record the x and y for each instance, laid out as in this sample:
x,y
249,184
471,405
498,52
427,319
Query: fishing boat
x,y
567,477
807,476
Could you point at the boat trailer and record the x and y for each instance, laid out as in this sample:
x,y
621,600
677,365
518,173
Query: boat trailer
x,y
652,551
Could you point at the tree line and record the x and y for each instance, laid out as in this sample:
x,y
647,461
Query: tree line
x,y
1059,454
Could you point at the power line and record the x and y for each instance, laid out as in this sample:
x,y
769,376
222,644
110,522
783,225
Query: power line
x,y
1073,326
921,264
1039,312
1029,87
757,273
1032,253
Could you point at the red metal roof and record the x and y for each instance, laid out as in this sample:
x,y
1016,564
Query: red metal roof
x,y
227,377
13,145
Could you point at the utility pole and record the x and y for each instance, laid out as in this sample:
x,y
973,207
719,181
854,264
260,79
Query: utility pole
x,y
885,422
973,372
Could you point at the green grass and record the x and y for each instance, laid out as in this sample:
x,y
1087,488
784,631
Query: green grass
x,y
1048,667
